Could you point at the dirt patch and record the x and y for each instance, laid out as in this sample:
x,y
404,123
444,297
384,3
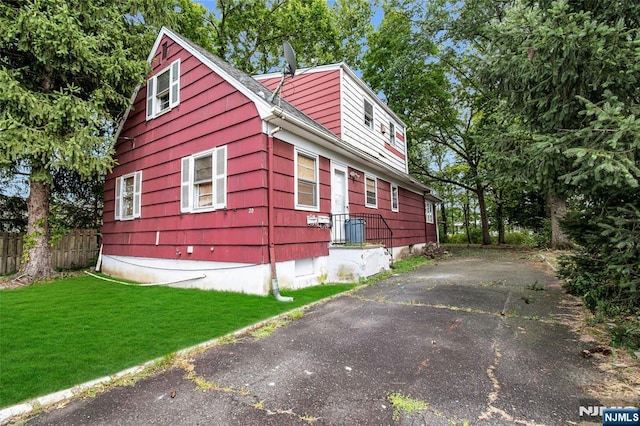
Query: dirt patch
x,y
12,282
621,369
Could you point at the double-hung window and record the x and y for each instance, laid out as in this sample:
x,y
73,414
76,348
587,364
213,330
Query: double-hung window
x,y
371,191
204,181
163,90
428,210
368,114
306,181
392,134
394,198
128,195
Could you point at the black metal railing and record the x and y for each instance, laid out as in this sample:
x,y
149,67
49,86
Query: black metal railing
x,y
360,229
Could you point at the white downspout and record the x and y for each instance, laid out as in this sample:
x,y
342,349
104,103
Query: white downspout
x,y
275,288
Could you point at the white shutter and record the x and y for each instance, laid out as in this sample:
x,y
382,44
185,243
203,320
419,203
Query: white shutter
x,y
137,193
174,94
220,177
116,208
186,184
150,97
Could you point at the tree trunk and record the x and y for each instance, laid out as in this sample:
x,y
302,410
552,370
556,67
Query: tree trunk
x,y
38,263
484,217
453,221
558,209
465,214
500,218
443,215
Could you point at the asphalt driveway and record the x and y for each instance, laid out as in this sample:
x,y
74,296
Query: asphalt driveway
x,y
480,340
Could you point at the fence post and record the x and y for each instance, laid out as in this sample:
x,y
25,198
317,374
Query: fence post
x,y
4,252
73,250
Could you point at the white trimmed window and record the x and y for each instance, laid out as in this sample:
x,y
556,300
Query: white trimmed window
x,y
392,134
307,183
163,90
204,181
371,191
428,211
394,198
128,196
368,114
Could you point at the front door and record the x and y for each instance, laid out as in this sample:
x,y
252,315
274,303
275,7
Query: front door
x,y
339,201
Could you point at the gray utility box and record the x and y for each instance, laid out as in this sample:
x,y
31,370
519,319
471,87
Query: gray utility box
x,y
354,230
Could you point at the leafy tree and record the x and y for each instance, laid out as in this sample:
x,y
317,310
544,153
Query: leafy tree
x,y
77,201
542,57
68,72
352,22
13,217
429,63
249,34
441,111
569,71
195,22
604,268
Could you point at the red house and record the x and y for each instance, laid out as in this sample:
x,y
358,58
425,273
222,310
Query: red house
x,y
220,187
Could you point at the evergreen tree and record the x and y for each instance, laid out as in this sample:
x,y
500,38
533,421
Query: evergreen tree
x,y
67,76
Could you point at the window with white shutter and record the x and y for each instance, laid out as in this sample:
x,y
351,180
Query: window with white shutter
x,y
128,200
163,90
204,181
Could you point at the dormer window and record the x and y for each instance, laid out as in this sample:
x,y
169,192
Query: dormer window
x,y
163,90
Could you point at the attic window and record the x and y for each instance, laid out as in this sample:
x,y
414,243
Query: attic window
x,y
368,114
163,90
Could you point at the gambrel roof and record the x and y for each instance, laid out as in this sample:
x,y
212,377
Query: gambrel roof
x,y
280,112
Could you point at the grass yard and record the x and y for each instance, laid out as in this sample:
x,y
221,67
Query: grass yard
x,y
54,336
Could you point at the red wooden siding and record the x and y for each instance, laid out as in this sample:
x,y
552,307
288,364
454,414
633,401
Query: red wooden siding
x,y
294,239
211,113
317,94
408,223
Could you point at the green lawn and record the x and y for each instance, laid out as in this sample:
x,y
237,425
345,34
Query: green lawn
x,y
54,336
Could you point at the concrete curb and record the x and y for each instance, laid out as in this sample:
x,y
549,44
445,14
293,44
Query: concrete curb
x,y
47,401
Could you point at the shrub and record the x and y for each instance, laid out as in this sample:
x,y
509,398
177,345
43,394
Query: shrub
x,y
519,239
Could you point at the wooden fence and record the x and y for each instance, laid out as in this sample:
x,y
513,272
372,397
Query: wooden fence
x,y
76,249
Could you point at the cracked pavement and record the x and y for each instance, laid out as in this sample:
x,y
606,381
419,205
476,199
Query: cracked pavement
x,y
480,340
